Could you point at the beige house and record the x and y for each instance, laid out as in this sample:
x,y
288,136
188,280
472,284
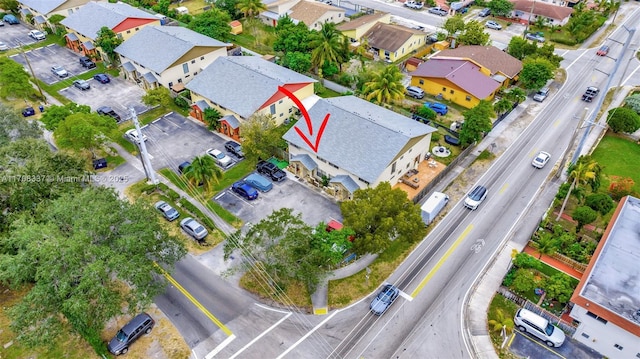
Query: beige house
x,y
275,10
356,28
311,13
240,86
392,42
362,146
530,11
168,56
41,10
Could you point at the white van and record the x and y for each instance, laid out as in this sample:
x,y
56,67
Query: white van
x,y
529,322
432,207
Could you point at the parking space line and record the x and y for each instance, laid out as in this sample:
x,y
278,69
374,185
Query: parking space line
x,y
242,199
534,341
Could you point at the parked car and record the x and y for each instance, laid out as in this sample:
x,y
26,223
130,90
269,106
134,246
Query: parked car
x,y
530,322
591,92
108,111
415,92
37,35
439,108
270,170
485,12
244,190
438,11
183,166
168,212
541,159
193,228
220,158
81,84
10,19
475,197
414,5
1,23
258,182
493,25
464,10
133,135
86,62
102,78
235,148
534,37
29,111
59,71
141,324
384,299
603,50
3,46
541,94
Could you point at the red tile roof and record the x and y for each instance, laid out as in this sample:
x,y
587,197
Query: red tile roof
x,y
463,74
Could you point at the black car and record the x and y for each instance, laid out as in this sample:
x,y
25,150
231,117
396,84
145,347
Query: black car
x,y
86,62
270,170
141,324
102,78
29,111
244,190
235,148
108,111
485,12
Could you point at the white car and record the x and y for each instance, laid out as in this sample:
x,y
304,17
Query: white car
x,y
37,35
541,159
59,71
193,228
475,197
221,159
133,135
493,25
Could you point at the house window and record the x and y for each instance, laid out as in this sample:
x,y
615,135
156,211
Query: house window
x,y
290,110
594,316
119,36
170,84
363,181
179,81
321,159
468,98
281,114
407,166
403,50
185,76
321,173
272,109
137,28
444,89
202,58
585,335
294,146
451,92
334,165
185,68
128,31
618,346
195,73
193,61
421,82
339,15
393,167
70,11
280,101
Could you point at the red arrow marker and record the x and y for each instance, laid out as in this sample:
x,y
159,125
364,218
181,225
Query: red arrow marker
x,y
305,114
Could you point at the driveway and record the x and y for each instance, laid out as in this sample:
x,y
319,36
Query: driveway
x,y
15,35
527,346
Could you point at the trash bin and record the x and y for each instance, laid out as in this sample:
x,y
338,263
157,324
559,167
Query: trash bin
x,y
41,108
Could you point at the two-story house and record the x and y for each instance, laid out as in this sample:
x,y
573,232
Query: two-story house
x,y
362,145
83,25
168,56
41,10
241,86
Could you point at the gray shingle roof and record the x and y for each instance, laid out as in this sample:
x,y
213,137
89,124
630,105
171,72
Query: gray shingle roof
x,y
202,105
347,182
40,19
159,47
232,121
43,6
359,137
128,66
89,19
72,36
150,78
243,84
306,161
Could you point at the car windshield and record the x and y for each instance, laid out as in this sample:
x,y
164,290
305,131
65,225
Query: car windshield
x,y
220,156
476,194
121,336
549,329
199,229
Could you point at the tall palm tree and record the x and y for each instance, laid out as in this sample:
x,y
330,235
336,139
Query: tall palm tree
x,y
327,46
585,170
203,170
251,8
547,245
385,86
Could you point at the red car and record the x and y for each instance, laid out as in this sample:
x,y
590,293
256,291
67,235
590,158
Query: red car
x,y
603,50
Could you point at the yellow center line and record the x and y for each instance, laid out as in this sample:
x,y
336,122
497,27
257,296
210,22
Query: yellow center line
x,y
504,188
441,261
195,302
556,123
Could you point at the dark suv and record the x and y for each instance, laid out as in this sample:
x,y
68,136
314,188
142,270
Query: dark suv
x,y
235,148
108,111
86,62
141,324
271,170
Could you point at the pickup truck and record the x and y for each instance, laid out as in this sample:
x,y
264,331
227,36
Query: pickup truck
x,y
590,93
270,170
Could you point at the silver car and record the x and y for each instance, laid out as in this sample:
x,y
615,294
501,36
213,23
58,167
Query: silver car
x,y
193,228
541,94
493,25
59,71
220,158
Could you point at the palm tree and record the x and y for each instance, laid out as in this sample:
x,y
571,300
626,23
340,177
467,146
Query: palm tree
x,y
385,86
501,322
585,170
251,8
203,170
516,95
502,105
547,245
327,46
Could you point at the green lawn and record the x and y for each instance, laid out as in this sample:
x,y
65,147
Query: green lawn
x,y
618,156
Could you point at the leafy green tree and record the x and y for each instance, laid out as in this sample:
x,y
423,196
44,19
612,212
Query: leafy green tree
x,y
547,51
162,7
331,245
584,171
600,203
521,48
107,40
524,281
473,34
516,94
426,112
55,20
297,61
291,37
56,114
250,8
502,105
583,215
536,73
82,131
260,137
326,46
13,127
620,187
523,260
477,122
380,215
212,117
213,23
229,6
385,86
633,102
9,5
454,24
282,247
559,287
203,170
157,96
547,245
75,255
500,7
623,119
14,80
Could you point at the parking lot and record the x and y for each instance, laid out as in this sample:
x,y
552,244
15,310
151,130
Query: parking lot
x,y
15,35
174,139
527,346
41,60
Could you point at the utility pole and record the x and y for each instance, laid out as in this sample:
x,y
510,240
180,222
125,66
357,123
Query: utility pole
x,y
35,79
151,175
604,92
